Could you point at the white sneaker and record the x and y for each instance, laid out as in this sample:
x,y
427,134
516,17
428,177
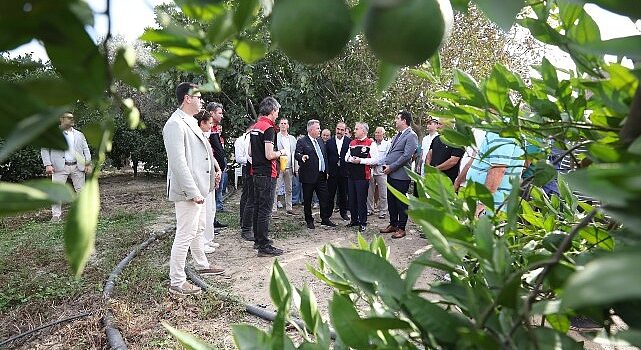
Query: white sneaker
x,y
209,249
212,244
55,219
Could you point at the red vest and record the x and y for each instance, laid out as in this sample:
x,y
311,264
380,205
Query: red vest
x,y
360,149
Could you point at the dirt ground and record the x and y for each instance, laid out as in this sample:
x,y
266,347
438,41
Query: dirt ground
x,y
246,276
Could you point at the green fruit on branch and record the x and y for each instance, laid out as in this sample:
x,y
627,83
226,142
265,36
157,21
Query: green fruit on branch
x,y
311,31
410,32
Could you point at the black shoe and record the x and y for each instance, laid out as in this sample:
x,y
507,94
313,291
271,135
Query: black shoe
x,y
218,224
247,236
328,223
352,224
361,228
310,225
257,246
269,250
345,217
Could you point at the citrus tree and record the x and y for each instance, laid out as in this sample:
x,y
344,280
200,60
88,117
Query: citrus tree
x,y
549,257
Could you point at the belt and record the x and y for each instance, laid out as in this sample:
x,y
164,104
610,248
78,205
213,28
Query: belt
x,y
71,163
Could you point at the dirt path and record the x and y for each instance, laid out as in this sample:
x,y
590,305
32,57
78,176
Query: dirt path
x,y
247,275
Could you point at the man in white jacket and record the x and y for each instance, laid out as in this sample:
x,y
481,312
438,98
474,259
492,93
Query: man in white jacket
x,y
190,177
72,163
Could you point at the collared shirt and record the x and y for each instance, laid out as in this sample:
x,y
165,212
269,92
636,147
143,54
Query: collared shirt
x,y
382,148
504,151
339,144
69,156
319,153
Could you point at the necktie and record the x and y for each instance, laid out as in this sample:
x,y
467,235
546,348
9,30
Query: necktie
x,y
394,140
321,160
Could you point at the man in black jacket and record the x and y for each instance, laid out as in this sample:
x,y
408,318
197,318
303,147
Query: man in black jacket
x,y
312,172
337,147
216,110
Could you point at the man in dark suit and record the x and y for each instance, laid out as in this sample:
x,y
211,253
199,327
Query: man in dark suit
x,y
399,156
312,160
337,147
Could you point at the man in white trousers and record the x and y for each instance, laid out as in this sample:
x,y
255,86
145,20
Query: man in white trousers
x,y
190,178
73,163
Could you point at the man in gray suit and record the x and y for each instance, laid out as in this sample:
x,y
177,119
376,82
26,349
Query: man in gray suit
x,y
72,163
400,153
190,177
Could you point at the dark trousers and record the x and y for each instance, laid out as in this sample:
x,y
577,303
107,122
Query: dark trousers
x,y
320,187
247,209
397,209
337,186
358,200
263,201
243,195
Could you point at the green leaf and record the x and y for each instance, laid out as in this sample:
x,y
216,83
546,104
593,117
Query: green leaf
x,y
279,286
432,320
601,281
496,92
123,67
205,11
371,272
624,8
80,229
423,74
250,51
635,146
468,89
30,195
455,138
221,29
479,192
503,13
247,337
188,340
559,322
39,130
484,237
387,73
344,317
401,196
597,236
246,10
543,173
460,5
133,114
52,91
75,56
545,338
509,294
435,63
308,308
586,30
549,74
381,323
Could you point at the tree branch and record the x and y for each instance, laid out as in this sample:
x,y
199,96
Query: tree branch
x,y
548,267
632,127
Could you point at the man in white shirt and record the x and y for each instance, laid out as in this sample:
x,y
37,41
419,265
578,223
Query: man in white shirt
x,y
241,146
433,126
72,163
285,177
378,177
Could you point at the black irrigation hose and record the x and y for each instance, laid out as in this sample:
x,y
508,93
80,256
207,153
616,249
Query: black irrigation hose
x,y
21,335
251,309
114,337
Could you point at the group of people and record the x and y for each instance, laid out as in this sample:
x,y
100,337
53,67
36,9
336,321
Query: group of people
x,y
349,171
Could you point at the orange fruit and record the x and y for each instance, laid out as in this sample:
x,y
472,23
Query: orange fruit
x,y
410,32
311,31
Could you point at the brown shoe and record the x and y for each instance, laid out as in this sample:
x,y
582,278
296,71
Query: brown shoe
x,y
186,289
388,229
399,234
213,271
